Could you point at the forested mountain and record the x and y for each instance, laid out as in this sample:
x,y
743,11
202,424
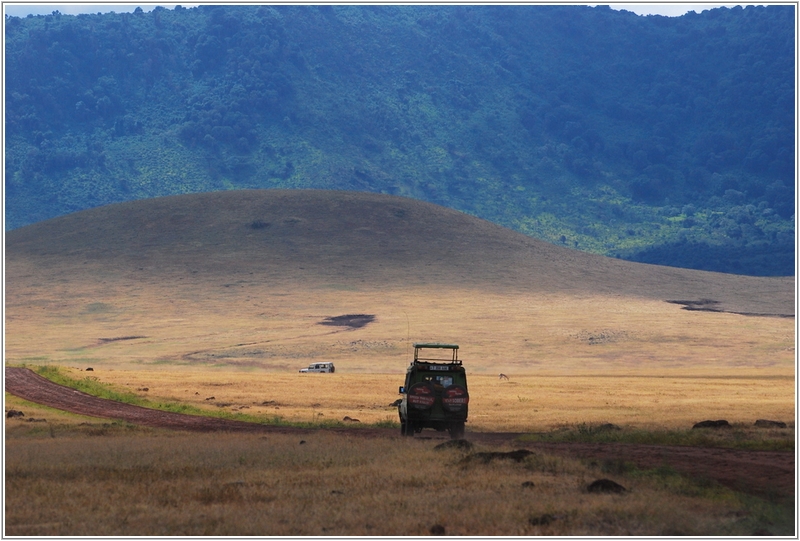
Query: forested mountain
x,y
665,140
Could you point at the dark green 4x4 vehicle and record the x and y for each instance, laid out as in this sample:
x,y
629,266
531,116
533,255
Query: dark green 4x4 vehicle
x,y
435,394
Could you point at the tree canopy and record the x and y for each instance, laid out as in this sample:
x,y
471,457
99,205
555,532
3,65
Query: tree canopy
x,y
648,138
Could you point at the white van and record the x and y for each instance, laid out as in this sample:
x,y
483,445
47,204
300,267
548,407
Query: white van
x,y
327,368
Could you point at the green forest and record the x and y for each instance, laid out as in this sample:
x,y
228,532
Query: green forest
x,y
666,140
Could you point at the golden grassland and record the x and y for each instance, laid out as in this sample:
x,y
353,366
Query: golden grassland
x,y
671,400
637,363
278,329
75,475
144,482
570,359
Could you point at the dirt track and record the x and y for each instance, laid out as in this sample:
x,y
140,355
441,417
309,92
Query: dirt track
x,y
764,473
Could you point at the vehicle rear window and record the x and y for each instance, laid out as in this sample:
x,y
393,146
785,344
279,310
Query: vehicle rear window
x,y
445,380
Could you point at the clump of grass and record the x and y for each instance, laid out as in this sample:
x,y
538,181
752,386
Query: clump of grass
x,y
739,436
387,423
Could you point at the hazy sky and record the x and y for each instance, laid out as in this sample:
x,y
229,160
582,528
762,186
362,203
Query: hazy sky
x,y
24,9
669,10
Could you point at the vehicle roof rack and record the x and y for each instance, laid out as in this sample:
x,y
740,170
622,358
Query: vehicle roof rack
x,y
453,347
442,362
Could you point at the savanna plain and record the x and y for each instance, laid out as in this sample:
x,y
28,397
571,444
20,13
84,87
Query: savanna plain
x,y
76,475
606,361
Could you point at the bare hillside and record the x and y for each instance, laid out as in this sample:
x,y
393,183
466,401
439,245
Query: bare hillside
x,y
360,238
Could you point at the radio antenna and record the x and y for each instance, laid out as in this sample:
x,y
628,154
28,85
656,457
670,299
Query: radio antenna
x,y
408,334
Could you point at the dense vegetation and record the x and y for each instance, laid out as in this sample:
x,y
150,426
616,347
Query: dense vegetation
x,y
665,140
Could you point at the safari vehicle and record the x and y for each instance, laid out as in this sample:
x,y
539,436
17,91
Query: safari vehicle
x,y
435,394
319,367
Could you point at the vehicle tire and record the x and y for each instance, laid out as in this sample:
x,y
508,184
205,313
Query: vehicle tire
x,y
409,428
457,431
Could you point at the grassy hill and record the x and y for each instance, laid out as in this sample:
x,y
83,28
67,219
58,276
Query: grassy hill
x,y
355,239
249,278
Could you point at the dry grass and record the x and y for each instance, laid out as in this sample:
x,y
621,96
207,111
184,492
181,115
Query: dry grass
x,y
216,485
571,359
278,330
633,362
558,352
184,299
670,400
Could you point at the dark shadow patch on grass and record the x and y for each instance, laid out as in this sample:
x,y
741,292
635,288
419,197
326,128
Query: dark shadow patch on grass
x,y
353,321
120,338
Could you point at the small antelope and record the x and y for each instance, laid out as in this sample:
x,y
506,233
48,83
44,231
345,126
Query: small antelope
x,y
503,376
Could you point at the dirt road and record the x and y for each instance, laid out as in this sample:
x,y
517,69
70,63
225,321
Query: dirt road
x,y
764,473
